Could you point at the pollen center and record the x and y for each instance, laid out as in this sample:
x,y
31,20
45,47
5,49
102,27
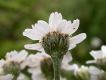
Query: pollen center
x,y
55,42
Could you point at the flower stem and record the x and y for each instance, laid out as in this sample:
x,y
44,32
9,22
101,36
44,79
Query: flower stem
x,y
56,66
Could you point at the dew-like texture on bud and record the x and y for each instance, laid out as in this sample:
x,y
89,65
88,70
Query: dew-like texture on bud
x,y
47,68
12,68
55,42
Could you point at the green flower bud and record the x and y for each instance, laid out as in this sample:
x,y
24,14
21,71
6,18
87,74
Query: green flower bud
x,y
55,42
12,68
47,68
83,73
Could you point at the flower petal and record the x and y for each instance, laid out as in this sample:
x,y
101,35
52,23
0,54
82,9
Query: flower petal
x,y
6,77
54,20
94,71
71,46
70,27
32,34
78,38
36,46
67,58
42,27
2,62
96,54
61,26
91,62
103,48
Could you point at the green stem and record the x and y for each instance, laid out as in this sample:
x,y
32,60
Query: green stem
x,y
56,66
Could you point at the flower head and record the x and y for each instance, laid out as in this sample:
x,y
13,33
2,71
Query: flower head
x,y
6,77
40,65
99,57
10,67
56,35
15,56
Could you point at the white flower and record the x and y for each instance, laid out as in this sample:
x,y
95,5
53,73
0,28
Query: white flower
x,y
2,63
16,56
22,77
65,62
100,54
95,73
6,77
36,73
33,60
96,42
91,72
82,69
56,24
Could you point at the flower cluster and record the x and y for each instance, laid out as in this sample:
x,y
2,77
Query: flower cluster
x,y
52,54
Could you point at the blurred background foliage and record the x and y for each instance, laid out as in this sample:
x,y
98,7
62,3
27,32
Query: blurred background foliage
x,y
16,15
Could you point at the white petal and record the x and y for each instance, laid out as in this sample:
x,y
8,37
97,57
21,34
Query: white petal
x,y
6,77
32,61
90,61
2,62
42,27
94,71
36,46
104,50
70,27
36,73
61,26
22,77
54,20
16,56
10,56
21,56
75,25
71,46
32,34
67,58
78,38
96,54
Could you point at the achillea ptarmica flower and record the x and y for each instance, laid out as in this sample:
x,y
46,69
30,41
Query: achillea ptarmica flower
x,y
87,73
6,77
54,36
12,64
38,64
99,58
95,73
81,73
15,56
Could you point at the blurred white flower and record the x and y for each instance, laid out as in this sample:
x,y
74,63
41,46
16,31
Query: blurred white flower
x,y
98,55
62,78
87,73
65,62
95,73
37,73
96,42
6,77
2,62
22,77
33,61
15,56
56,24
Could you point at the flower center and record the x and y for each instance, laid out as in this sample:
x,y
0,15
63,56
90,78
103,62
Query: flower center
x,y
55,42
12,68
